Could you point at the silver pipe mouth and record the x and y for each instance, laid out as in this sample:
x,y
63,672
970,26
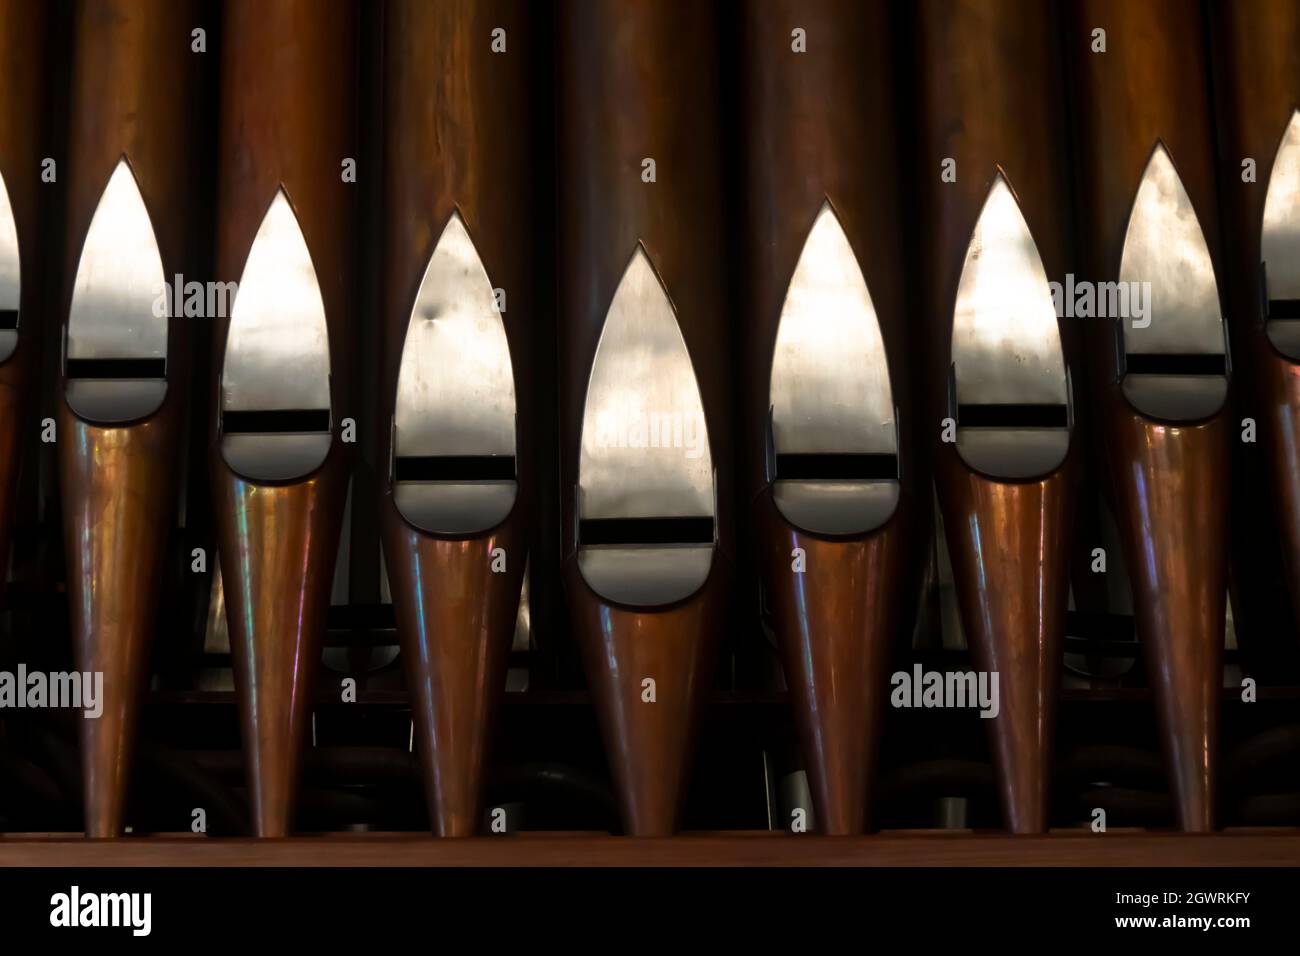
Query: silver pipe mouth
x,y
832,423
115,340
645,501
1174,363
275,418
1280,245
1009,388
453,469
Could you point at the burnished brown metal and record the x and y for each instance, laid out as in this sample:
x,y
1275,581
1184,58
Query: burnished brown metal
x,y
991,98
1169,481
1257,87
24,50
813,123
1009,545
287,121
648,744
454,145
835,622
119,482
638,80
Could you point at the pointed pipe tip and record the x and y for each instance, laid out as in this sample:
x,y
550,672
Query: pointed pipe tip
x,y
277,546
835,638
456,612
1009,544
649,744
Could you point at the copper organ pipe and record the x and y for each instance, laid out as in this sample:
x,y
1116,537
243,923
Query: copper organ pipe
x,y
286,224
123,378
645,424
1001,409
826,375
1148,215
1257,86
456,503
24,56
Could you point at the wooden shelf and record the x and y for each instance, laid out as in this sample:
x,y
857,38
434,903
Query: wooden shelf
x,y
1239,848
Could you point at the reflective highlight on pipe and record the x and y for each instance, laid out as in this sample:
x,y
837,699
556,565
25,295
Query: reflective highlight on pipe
x,y
1280,244
1164,245
644,450
455,405
830,393
115,351
275,375
1008,366
10,275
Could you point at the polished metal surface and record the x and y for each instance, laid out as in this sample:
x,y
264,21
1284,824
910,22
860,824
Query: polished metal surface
x,y
277,352
1006,345
1280,238
119,307
455,392
830,389
10,272
119,504
645,447
1164,245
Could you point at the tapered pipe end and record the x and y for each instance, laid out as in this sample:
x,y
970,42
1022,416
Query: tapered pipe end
x,y
456,602
118,487
1171,493
1009,546
278,544
648,671
834,618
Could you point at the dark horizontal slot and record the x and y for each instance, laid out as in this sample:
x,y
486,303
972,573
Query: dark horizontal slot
x,y
859,467
1158,363
277,420
8,318
117,368
1008,415
1285,310
455,468
645,531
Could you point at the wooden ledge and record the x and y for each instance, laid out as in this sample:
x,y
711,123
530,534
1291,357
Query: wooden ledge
x,y
1240,848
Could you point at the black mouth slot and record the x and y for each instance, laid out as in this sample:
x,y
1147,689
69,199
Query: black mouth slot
x,y
284,420
8,318
1176,363
119,368
645,531
837,467
1009,415
455,468
1279,310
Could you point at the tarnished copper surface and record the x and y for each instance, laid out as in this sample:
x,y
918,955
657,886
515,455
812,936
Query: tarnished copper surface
x,y
1009,544
992,99
24,51
813,125
834,621
455,144
278,544
638,80
119,503
1165,478
287,122
1257,87
455,620
1170,482
649,744
119,483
